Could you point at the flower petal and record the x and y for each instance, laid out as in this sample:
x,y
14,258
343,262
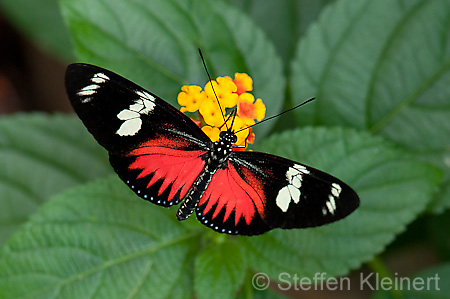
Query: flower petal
x,y
260,109
211,113
191,97
243,83
212,133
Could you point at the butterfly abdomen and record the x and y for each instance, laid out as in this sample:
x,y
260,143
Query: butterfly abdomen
x,y
194,194
217,158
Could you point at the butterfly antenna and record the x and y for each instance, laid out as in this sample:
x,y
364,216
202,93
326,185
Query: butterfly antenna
x,y
233,113
305,102
212,86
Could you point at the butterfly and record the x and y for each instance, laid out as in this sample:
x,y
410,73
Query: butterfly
x,y
165,158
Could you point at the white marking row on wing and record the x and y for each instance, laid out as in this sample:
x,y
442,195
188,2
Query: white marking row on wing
x,y
331,202
291,192
99,78
132,116
89,90
335,189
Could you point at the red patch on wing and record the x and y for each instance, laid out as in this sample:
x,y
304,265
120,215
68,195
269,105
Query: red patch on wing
x,y
229,190
177,167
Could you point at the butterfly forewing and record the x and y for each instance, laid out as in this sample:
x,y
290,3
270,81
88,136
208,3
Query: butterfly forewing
x,y
267,192
154,148
121,114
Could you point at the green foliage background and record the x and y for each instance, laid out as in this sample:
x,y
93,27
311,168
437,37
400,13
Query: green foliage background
x,y
380,71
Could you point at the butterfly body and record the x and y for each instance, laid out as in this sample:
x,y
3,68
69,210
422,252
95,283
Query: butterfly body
x,y
214,159
165,158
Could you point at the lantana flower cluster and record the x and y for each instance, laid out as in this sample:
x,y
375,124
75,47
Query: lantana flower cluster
x,y
232,94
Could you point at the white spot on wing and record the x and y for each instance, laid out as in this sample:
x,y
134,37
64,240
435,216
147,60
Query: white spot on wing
x,y
145,95
127,114
297,181
336,189
283,199
301,168
99,78
86,92
86,100
295,193
330,207
89,90
130,127
331,202
132,116
148,106
291,192
136,107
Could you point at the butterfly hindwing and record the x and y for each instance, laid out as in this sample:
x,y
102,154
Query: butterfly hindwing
x,y
155,149
258,192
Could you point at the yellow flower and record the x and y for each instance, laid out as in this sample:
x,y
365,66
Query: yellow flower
x,y
248,108
211,132
225,90
243,83
190,98
209,110
231,94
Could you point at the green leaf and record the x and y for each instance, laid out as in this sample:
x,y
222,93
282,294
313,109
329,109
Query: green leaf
x,y
41,21
219,270
154,43
98,240
431,283
393,187
382,66
261,294
41,155
292,19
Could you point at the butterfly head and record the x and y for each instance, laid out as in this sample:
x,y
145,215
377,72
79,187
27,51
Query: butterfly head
x,y
227,137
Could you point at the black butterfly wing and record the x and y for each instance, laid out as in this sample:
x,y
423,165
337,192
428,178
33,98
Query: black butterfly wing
x,y
256,192
157,150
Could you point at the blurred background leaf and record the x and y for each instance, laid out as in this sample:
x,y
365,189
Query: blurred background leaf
x,y
41,155
99,240
219,270
293,18
40,21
